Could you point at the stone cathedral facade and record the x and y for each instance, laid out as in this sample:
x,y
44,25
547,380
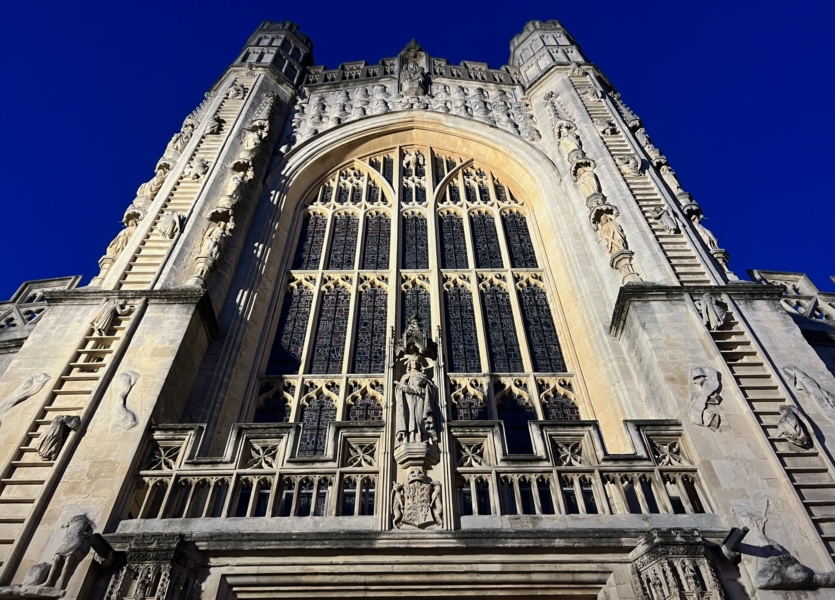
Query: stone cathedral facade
x,y
416,329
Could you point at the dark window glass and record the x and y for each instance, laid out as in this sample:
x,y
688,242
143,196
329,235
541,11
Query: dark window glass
x,y
416,303
286,354
344,242
244,494
526,497
461,331
321,507
415,247
519,242
365,408
542,335
370,342
546,502
311,240
465,497
558,408
649,495
632,502
440,168
588,496
286,505
263,499
388,169
316,416
349,498
454,193
329,347
569,496
453,247
692,494
273,410
482,493
367,499
305,498
377,236
508,496
469,189
515,414
503,345
468,408
485,242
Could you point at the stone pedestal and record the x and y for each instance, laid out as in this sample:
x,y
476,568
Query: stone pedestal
x,y
417,454
622,261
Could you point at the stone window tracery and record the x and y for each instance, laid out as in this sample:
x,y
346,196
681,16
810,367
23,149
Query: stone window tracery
x,y
316,417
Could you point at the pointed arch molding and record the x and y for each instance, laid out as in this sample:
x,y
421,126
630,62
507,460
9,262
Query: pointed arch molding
x,y
520,166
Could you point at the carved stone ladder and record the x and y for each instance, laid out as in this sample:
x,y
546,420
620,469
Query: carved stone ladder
x,y
26,480
808,471
675,246
142,270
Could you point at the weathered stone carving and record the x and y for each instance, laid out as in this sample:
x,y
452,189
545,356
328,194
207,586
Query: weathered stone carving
x,y
197,169
236,92
590,94
381,101
630,165
412,74
605,127
70,553
792,428
170,225
502,111
415,392
803,382
214,241
122,385
107,313
180,140
667,219
340,109
52,440
674,564
671,180
667,455
215,125
359,104
713,314
262,457
612,233
570,454
146,192
30,386
418,503
361,455
526,122
707,237
705,384
114,249
471,455
480,107
233,192
458,102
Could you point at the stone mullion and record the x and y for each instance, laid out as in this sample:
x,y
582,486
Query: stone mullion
x,y
682,494
535,493
519,323
556,492
578,494
348,346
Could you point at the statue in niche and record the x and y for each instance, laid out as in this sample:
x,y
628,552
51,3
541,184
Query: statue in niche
x,y
586,179
180,140
122,385
458,102
803,382
412,74
214,241
381,101
30,386
713,314
415,392
792,428
236,92
418,503
104,318
705,385
667,220
114,248
707,237
612,233
52,440
566,133
70,553
215,125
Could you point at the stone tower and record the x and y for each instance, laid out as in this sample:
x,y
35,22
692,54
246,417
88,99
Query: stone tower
x,y
416,329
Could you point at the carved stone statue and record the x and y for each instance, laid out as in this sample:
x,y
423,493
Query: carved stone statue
x,y
670,178
340,108
146,192
170,225
458,102
587,180
236,92
612,233
792,428
180,140
70,553
359,104
705,384
197,169
114,249
381,101
412,74
803,382
480,107
713,314
233,192
526,122
30,386
629,164
215,125
441,99
566,133
104,318
52,440
707,237
415,392
121,387
418,503
214,241
502,111
605,127
666,218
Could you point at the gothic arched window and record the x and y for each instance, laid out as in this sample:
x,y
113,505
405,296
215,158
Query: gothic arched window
x,y
461,331
316,416
365,408
329,347
505,355
287,350
453,246
415,245
559,408
488,255
370,341
377,236
542,335
343,242
522,255
311,240
515,413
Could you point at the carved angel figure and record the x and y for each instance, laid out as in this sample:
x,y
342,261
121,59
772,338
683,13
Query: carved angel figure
x,y
170,225
52,440
380,104
704,391
803,382
148,190
236,92
707,237
215,125
104,318
74,548
612,234
669,176
30,386
214,239
181,139
114,249
458,101
587,181
359,106
233,192
713,314
441,99
565,132
792,428
480,107
666,218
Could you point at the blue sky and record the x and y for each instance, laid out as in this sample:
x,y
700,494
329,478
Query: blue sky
x,y
739,96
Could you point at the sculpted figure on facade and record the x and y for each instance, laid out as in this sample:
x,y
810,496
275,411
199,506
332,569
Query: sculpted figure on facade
x,y
197,169
480,106
170,225
525,121
71,552
103,320
630,165
359,103
612,233
236,92
52,440
211,248
440,100
180,140
415,393
667,220
122,385
381,101
605,127
458,101
418,502
803,382
233,192
340,109
114,248
146,192
30,386
412,74
587,182
705,385
792,428
502,111
670,179
215,125
707,237
713,314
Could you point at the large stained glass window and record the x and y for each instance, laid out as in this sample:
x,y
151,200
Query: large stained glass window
x,y
370,344
329,347
505,354
519,245
316,416
462,340
539,327
453,246
287,349
416,303
365,408
343,241
311,240
377,240
488,255
415,245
